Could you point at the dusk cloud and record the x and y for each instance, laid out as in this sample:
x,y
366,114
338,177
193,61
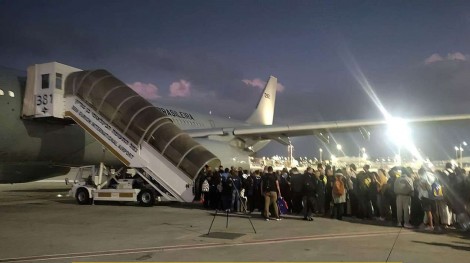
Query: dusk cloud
x,y
451,56
258,83
181,88
433,58
146,90
456,56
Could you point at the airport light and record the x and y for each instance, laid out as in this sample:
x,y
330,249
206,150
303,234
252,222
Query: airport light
x,y
456,152
365,156
464,143
339,147
399,133
362,151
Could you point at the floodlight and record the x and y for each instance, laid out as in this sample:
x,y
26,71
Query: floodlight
x,y
398,131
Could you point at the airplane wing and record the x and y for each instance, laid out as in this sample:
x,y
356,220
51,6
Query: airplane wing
x,y
278,132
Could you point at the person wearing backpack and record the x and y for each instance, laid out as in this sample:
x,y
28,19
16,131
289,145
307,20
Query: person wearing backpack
x,y
270,189
339,195
403,188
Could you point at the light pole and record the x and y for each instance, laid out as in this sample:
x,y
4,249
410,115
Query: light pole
x,y
339,148
363,152
464,143
321,151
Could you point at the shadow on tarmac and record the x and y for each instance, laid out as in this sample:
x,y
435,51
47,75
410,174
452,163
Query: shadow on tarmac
x,y
38,191
458,247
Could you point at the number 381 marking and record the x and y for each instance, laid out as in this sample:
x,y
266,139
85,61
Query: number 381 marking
x,y
43,99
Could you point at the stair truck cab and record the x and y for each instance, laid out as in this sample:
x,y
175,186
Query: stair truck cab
x,y
93,183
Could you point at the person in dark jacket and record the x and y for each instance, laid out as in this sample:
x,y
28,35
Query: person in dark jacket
x,y
352,172
227,190
321,188
330,179
364,183
390,195
248,185
284,184
271,191
310,193
296,190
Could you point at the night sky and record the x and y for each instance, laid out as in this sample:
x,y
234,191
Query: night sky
x,y
215,55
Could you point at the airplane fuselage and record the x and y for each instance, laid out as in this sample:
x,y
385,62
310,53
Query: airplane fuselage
x,y
32,149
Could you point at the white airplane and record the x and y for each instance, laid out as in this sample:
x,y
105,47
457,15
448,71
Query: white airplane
x,y
39,139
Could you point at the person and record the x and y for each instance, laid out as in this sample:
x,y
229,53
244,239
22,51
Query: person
x,y
321,189
206,189
390,196
236,188
403,188
352,193
297,191
374,193
310,192
270,190
384,208
227,191
364,183
285,188
424,188
248,185
339,195
214,193
455,191
330,179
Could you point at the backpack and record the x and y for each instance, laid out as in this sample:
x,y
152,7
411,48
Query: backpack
x,y
205,186
310,184
437,192
267,183
227,185
338,188
363,181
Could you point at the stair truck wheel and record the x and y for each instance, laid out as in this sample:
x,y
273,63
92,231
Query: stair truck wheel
x,y
83,197
146,197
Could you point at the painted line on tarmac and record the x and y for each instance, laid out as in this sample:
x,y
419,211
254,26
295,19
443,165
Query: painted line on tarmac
x,y
199,246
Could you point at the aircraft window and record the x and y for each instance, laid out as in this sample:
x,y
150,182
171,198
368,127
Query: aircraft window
x,y
58,81
45,81
1,93
11,93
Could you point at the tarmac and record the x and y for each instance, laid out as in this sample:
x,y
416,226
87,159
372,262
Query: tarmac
x,y
40,223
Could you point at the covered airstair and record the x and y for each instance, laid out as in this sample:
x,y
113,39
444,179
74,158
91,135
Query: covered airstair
x,y
136,132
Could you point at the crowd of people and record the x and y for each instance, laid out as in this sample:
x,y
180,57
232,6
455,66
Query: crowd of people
x,y
426,198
